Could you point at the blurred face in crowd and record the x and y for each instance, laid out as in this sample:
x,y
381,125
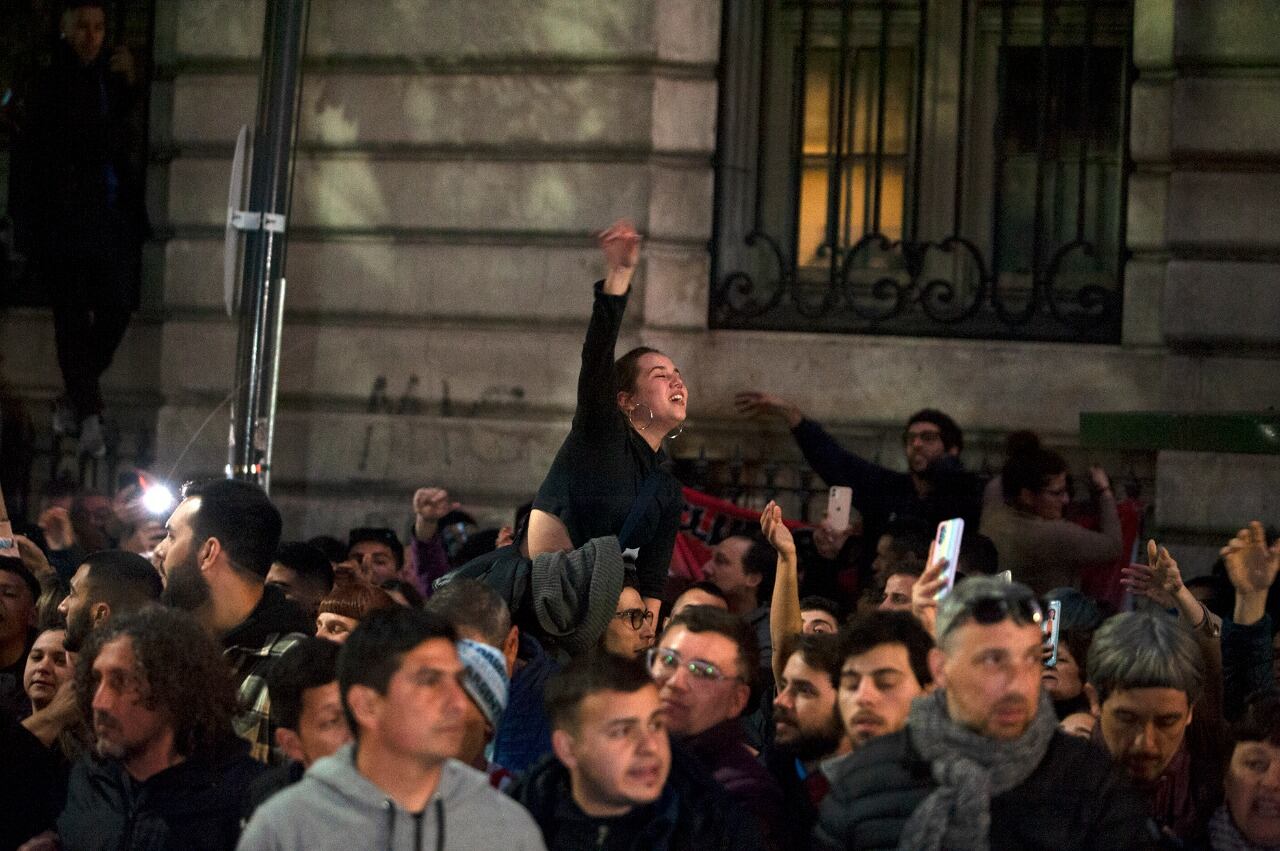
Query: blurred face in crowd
x,y
697,597
84,29
375,561
817,621
897,593
1050,500
322,728
1253,792
696,702
660,388
335,628
1079,724
49,665
306,594
1062,681
422,713
805,715
992,676
922,444
726,568
876,690
185,586
17,609
622,637
126,726
617,753
76,608
1144,727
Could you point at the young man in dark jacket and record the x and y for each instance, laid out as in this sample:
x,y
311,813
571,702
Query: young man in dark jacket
x,y
613,782
981,762
168,769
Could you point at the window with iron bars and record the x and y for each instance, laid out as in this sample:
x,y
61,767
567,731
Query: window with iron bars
x,y
952,168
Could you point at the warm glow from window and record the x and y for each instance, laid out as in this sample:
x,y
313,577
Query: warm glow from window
x,y
857,178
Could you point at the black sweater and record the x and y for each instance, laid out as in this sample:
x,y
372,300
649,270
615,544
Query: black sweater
x,y
603,463
1075,799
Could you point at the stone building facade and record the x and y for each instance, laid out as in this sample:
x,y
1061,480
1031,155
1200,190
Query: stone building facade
x,y
455,157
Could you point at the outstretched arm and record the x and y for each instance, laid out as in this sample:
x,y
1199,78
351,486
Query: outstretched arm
x,y
620,245
784,611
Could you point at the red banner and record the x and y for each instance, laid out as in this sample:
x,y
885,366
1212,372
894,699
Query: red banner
x,y
706,522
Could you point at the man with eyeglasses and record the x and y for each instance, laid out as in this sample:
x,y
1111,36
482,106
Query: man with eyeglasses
x,y
613,781
981,762
705,666
935,487
630,632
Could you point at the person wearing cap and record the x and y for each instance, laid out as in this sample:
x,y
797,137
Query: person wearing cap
x,y
981,762
485,681
214,560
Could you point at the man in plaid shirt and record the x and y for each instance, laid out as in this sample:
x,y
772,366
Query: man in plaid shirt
x,y
219,547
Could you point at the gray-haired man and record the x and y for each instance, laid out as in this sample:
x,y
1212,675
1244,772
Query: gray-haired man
x,y
981,762
1146,674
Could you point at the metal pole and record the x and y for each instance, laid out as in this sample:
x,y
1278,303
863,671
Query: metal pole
x,y
262,285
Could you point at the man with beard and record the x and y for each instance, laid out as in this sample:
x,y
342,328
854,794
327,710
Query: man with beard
x,y
217,551
884,666
109,583
808,731
935,488
981,762
1150,675
613,782
168,770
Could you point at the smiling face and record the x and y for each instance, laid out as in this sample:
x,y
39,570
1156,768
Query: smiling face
x,y
1253,792
617,752
661,389
49,665
992,676
923,445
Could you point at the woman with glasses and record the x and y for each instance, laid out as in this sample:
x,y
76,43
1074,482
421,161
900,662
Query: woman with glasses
x,y
610,477
630,632
1036,543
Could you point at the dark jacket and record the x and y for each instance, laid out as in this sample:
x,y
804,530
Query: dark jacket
x,y
881,494
1246,663
602,466
801,797
1075,799
693,814
524,734
77,194
196,804
31,785
722,750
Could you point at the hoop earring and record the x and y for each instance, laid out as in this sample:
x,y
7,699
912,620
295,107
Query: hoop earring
x,y
632,410
679,431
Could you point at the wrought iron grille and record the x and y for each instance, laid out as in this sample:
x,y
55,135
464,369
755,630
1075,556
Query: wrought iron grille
x,y
951,168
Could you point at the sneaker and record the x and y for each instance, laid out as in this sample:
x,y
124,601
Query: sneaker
x,y
64,417
92,441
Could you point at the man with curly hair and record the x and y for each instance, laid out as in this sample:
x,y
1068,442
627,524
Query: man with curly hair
x,y
168,769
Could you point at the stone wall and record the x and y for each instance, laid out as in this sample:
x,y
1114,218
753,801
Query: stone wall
x,y
455,157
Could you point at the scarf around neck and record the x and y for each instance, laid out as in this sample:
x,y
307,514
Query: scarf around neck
x,y
970,770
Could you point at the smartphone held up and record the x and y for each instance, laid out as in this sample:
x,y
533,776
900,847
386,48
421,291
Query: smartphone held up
x,y
946,545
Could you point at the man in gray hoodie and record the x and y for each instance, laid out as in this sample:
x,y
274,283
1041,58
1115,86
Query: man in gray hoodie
x,y
395,786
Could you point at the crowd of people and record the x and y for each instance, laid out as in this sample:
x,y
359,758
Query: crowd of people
x,y
183,679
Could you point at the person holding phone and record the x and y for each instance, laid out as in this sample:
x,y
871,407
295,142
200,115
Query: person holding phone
x,y
610,476
936,486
